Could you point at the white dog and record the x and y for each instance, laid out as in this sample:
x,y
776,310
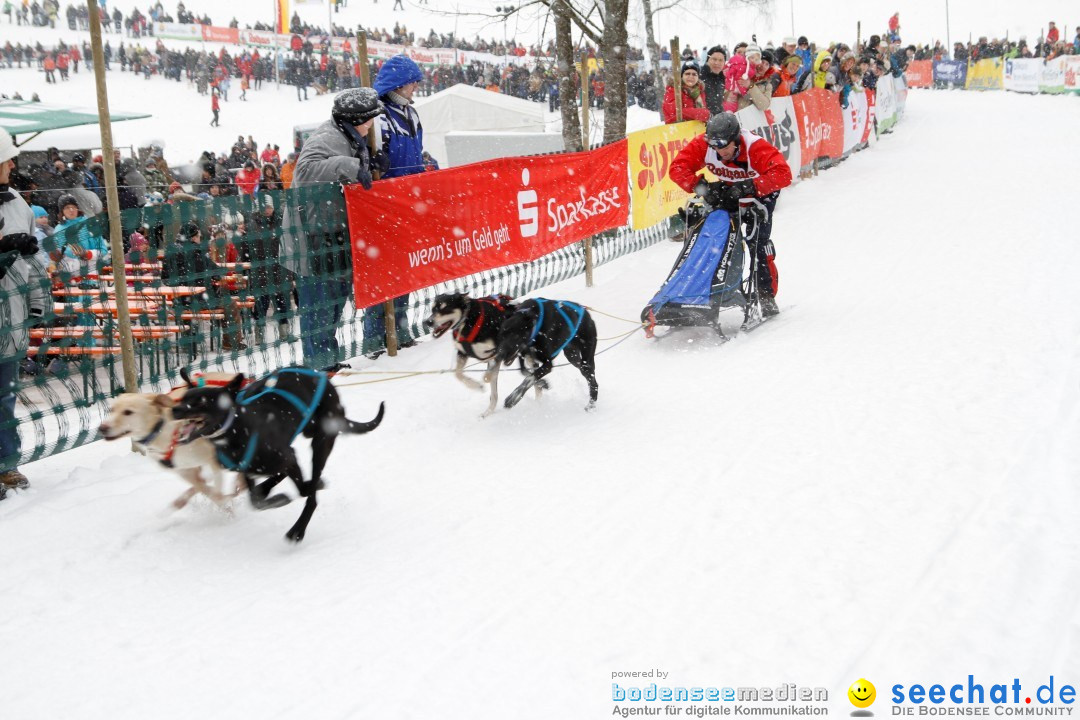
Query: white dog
x,y
147,419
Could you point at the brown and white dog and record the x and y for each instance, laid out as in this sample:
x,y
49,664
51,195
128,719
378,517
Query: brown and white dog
x,y
147,419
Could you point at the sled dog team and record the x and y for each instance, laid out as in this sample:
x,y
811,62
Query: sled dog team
x,y
219,421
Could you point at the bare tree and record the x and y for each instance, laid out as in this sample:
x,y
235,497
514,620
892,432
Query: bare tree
x,y
564,54
613,52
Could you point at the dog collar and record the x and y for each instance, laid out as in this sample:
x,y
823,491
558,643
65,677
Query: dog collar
x,y
153,433
224,426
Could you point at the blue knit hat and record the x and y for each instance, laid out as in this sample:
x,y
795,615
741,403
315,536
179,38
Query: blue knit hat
x,y
398,71
39,212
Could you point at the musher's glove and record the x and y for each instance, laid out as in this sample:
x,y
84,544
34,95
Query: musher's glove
x,y
701,189
731,194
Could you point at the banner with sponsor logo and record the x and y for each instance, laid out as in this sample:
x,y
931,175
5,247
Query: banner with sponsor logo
x,y
653,195
1022,75
919,73
950,71
415,231
820,124
1052,76
177,31
211,33
885,111
1072,73
779,126
856,125
985,75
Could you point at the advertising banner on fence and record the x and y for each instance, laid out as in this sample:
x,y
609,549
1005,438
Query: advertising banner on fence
x,y
919,73
653,195
1052,76
820,125
1072,73
885,103
856,121
1022,75
415,231
950,71
985,75
777,125
177,31
211,33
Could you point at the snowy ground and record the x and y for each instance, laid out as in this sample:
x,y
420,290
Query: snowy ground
x,y
882,484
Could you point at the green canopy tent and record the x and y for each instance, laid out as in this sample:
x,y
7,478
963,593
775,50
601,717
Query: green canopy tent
x,y
19,117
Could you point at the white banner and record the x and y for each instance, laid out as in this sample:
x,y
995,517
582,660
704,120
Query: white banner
x,y
1052,77
855,117
1072,72
885,103
178,31
777,125
1022,75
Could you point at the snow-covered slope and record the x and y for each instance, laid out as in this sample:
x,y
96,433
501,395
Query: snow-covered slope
x,y
881,484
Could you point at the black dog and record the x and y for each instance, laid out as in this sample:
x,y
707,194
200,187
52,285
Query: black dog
x,y
475,323
254,426
539,330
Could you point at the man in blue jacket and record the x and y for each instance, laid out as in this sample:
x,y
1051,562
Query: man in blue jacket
x,y
400,138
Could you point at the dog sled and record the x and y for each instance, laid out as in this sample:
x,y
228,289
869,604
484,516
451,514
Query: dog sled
x,y
712,272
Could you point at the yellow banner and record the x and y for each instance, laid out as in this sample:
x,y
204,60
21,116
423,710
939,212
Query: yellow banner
x,y
985,75
653,195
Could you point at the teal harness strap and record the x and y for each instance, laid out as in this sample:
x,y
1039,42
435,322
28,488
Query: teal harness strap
x,y
307,410
559,305
249,455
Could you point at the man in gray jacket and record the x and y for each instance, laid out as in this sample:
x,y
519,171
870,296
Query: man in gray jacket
x,y
315,238
24,294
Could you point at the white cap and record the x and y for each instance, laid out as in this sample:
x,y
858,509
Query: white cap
x,y
7,147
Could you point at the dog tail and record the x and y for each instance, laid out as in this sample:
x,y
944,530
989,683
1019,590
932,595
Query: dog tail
x,y
359,428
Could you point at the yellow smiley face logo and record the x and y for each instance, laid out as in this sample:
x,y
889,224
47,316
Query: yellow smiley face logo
x,y
862,693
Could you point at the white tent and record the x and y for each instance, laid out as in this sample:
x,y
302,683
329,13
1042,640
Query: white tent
x,y
466,108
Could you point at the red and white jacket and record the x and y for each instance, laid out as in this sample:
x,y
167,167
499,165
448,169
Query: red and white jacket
x,y
757,160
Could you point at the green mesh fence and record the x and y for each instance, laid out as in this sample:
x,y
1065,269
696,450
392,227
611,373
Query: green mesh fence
x,y
216,284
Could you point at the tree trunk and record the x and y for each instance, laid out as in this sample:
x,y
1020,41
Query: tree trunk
x,y
613,52
564,53
654,56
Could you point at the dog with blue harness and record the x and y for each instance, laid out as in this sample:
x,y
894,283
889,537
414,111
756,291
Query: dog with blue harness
x,y
538,331
253,427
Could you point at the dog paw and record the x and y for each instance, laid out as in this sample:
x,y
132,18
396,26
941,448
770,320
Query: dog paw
x,y
274,501
591,406
294,536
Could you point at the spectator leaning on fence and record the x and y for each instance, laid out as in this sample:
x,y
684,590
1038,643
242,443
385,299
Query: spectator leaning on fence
x,y
399,142
315,242
24,299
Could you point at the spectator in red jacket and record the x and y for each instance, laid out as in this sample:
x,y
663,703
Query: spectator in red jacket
x,y
247,180
693,96
748,166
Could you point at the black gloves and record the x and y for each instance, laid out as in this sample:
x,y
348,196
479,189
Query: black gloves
x,y
381,161
22,243
364,177
7,259
729,196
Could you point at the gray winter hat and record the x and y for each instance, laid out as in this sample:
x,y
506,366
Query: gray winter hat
x,y
357,105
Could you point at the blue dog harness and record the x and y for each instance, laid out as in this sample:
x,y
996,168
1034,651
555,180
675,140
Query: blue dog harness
x,y
559,305
306,410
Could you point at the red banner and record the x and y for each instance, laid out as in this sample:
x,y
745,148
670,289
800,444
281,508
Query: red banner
x,y
919,73
415,231
211,33
820,124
